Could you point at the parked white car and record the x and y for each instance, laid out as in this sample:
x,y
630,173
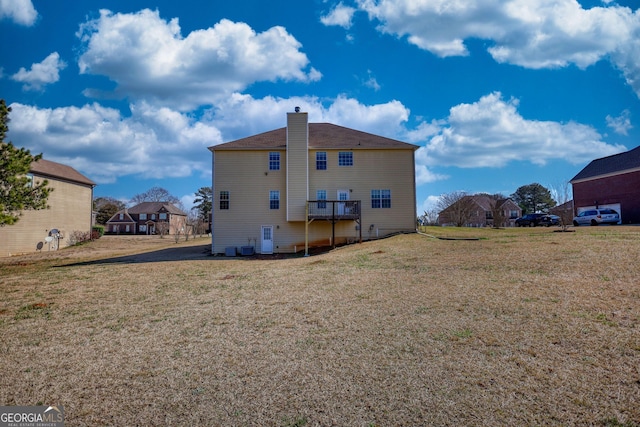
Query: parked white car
x,y
596,217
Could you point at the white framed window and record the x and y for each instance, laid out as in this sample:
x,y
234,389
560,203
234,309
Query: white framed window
x,y
143,216
162,216
321,160
224,200
274,161
274,199
345,158
380,199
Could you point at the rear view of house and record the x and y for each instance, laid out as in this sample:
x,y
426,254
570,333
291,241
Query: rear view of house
x,y
310,184
70,210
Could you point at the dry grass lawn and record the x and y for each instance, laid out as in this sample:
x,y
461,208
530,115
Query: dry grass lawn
x,y
522,327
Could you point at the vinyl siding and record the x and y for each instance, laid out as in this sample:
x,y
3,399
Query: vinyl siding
x,y
372,170
297,169
246,175
70,210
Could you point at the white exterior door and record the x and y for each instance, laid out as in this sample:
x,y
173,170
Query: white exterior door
x,y
342,195
267,239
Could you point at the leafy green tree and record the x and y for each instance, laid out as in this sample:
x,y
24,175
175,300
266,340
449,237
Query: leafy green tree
x,y
18,190
106,207
533,198
203,203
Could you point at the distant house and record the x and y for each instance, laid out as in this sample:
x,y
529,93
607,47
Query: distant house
x,y
478,211
610,182
148,218
310,184
70,210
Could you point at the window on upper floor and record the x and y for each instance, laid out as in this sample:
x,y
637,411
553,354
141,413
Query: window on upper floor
x,y
143,216
224,200
345,158
274,161
121,216
162,216
274,199
321,160
380,199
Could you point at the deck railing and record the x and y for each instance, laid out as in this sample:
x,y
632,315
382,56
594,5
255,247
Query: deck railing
x,y
334,209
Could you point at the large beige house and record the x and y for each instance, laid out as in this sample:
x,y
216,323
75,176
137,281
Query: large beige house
x,y
70,209
309,185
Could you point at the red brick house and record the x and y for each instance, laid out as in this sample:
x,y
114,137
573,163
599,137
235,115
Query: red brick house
x,y
478,212
610,182
148,218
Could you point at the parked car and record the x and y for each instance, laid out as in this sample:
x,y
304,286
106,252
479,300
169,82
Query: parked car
x,y
549,220
596,217
530,220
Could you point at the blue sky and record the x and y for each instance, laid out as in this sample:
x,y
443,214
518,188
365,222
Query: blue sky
x,y
496,93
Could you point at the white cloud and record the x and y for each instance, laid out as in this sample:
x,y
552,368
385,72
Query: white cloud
x,y
148,58
491,133
160,142
20,11
340,15
429,204
530,33
152,143
620,124
41,74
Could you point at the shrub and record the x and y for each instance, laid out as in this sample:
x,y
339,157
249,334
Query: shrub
x,y
97,230
78,237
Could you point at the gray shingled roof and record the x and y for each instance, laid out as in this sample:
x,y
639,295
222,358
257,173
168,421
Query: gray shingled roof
x,y
618,163
321,136
47,168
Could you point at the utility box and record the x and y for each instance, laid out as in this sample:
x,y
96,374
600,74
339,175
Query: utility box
x,y
246,250
230,251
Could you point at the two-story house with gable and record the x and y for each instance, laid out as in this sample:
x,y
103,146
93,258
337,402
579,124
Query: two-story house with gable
x,y
478,210
610,182
148,218
310,184
70,210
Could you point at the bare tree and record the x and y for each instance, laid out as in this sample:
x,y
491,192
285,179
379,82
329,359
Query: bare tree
x,y
155,194
162,228
455,208
430,217
496,204
564,209
196,223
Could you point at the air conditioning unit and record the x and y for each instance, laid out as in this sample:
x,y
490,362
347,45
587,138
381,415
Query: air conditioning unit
x,y
246,250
